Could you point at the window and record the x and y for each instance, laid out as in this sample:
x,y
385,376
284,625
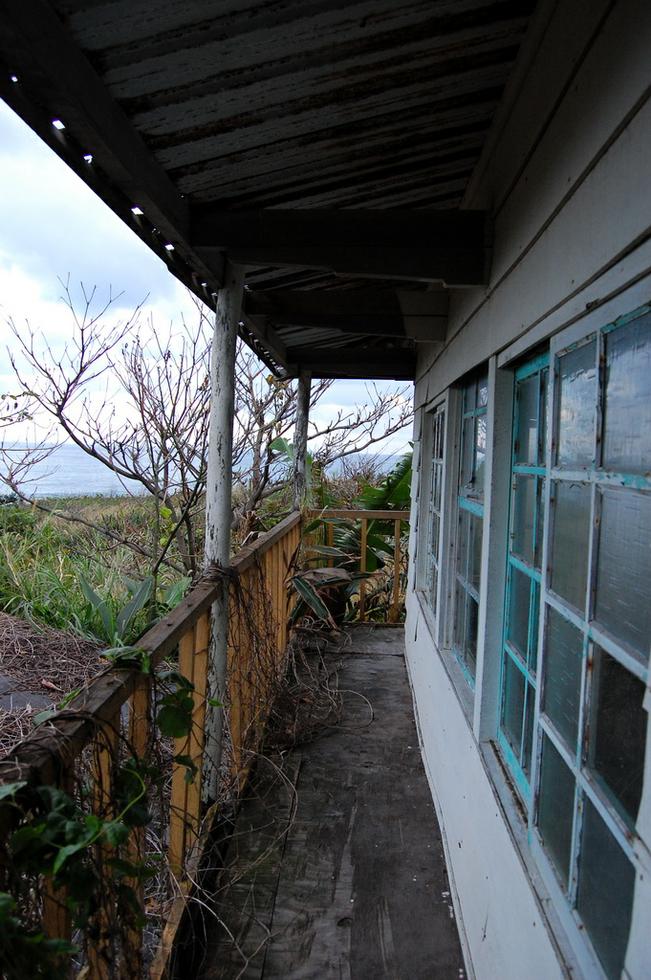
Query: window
x,y
579,564
436,421
470,520
523,573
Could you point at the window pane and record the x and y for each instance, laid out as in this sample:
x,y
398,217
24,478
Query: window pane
x,y
540,523
562,666
528,730
513,704
605,896
482,392
542,429
526,445
467,452
578,396
434,589
518,619
470,397
480,453
476,527
627,423
435,536
569,560
556,808
524,499
533,651
465,628
623,601
618,731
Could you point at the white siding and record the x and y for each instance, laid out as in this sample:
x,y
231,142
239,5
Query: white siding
x,y
568,178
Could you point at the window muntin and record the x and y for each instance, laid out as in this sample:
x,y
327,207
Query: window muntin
x,y
470,520
520,642
591,727
436,421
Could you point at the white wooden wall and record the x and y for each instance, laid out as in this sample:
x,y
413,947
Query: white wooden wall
x,y
567,176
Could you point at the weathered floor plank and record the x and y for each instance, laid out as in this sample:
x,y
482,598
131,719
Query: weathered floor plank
x,y
355,885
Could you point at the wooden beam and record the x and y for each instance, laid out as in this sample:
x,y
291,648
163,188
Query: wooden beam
x,y
432,246
399,365
420,316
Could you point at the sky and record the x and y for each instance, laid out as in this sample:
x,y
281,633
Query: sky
x,y
52,228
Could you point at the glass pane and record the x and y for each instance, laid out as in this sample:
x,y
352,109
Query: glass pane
x,y
540,523
462,542
623,600
518,619
627,422
577,401
480,453
605,896
467,452
562,667
526,445
556,808
458,636
524,498
437,486
569,558
542,429
472,617
513,704
435,535
618,731
528,730
470,397
533,650
482,392
434,589
476,527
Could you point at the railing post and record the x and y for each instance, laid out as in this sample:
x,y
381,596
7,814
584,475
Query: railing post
x,y
396,570
362,568
218,504
300,438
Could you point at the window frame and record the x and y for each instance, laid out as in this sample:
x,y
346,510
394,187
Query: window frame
x,y
464,500
586,784
437,615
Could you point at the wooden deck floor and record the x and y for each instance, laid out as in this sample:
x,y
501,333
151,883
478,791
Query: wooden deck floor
x,y
339,867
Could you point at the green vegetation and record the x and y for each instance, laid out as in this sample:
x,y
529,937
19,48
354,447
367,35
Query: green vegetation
x,y
71,577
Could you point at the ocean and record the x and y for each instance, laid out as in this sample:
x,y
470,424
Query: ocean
x,y
70,472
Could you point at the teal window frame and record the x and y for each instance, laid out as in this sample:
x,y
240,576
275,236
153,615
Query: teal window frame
x,y
537,367
590,796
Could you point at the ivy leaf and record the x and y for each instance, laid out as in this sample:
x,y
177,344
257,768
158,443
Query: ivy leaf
x,y
174,721
115,832
190,765
215,703
10,789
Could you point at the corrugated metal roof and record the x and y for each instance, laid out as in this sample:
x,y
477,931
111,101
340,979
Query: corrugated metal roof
x,y
280,104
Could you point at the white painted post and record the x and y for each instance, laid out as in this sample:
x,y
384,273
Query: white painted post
x,y
300,438
218,505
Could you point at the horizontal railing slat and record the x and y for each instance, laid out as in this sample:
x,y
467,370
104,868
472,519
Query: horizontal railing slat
x,y
358,515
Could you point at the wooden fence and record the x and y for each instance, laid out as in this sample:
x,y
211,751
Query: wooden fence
x,y
116,710
385,518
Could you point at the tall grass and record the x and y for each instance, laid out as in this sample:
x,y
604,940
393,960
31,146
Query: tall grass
x,y
43,561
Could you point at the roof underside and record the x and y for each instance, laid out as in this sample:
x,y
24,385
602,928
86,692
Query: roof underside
x,y
199,109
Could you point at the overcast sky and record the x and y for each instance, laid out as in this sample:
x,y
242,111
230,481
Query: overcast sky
x,y
52,226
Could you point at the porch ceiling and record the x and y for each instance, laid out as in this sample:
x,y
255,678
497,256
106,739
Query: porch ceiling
x,y
325,144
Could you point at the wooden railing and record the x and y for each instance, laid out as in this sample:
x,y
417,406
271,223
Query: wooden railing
x,y
384,518
115,711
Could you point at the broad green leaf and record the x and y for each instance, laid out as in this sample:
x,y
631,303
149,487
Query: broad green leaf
x,y
134,605
312,598
10,789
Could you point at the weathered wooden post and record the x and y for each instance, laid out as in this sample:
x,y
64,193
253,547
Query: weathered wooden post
x,y
300,438
218,505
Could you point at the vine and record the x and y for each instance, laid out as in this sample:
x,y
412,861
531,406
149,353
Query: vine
x,y
56,837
